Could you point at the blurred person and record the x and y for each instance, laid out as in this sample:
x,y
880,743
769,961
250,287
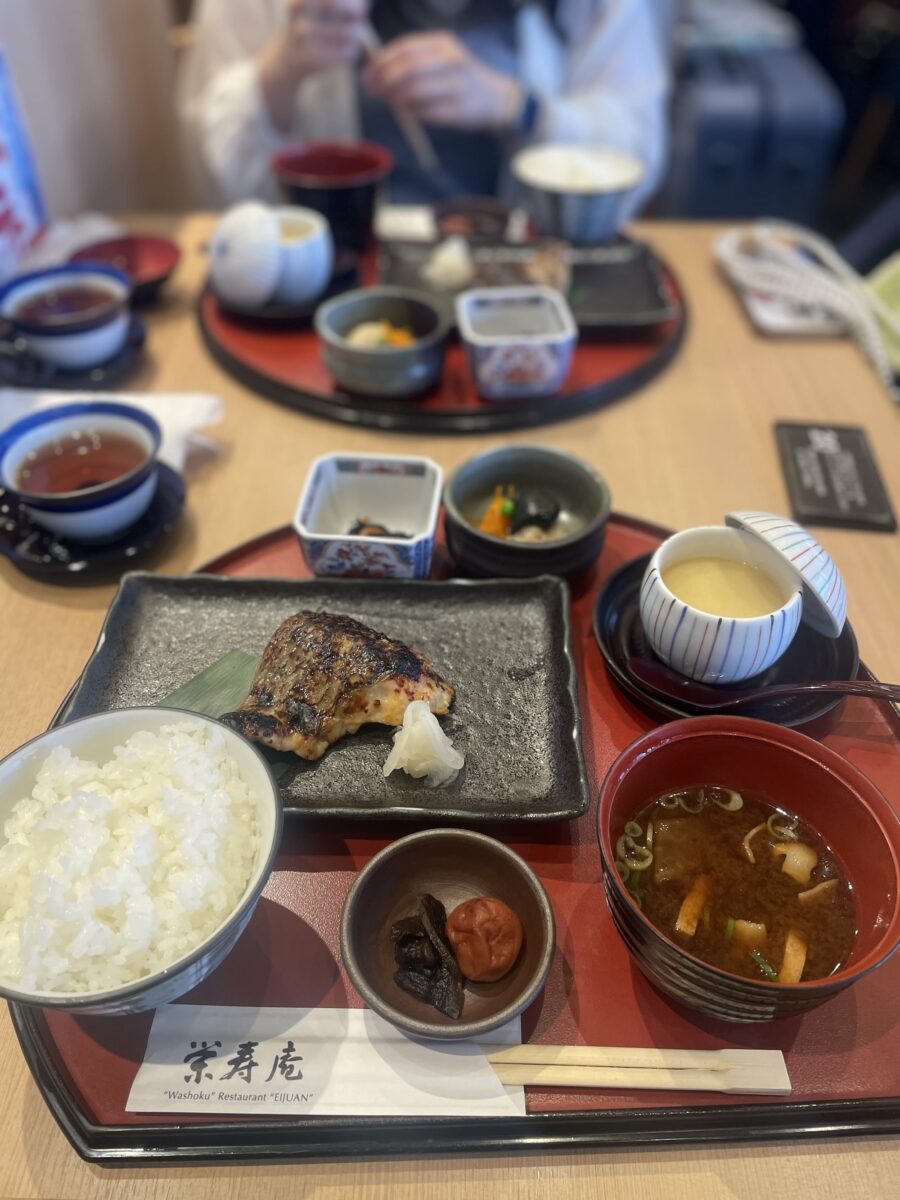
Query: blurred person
x,y
484,77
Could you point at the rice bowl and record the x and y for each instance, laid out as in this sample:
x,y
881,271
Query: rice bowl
x,y
137,845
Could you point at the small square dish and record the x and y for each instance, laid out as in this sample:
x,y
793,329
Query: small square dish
x,y
519,340
503,645
370,515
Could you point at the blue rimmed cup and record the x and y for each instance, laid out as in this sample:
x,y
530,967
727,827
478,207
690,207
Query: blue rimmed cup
x,y
73,337
707,646
90,514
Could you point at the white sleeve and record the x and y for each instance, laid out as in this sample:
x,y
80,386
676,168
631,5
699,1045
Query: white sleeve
x,y
615,90
220,101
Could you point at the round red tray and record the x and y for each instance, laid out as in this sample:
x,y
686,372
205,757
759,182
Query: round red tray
x,y
843,1058
284,364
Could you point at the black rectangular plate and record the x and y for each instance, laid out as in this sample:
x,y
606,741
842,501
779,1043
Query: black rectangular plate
x,y
832,477
504,645
614,288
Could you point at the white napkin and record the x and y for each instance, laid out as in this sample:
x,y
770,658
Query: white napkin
x,y
322,1061
180,414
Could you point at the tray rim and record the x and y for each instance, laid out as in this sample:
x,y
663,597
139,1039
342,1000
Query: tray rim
x,y
557,588
409,417
378,1137
183,1143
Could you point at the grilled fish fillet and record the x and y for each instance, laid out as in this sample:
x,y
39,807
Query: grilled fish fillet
x,y
322,676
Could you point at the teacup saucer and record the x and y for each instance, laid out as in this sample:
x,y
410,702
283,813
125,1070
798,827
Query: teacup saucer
x,y
275,314
20,369
41,554
809,658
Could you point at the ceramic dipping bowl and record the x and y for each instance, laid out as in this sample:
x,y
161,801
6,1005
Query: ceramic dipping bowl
x,y
399,493
396,371
789,771
519,340
577,193
75,316
453,865
709,647
581,493
94,513
337,179
148,261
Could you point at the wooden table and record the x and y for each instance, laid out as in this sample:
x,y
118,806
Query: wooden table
x,y
693,445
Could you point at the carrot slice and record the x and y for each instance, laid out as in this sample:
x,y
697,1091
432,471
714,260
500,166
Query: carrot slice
x,y
692,906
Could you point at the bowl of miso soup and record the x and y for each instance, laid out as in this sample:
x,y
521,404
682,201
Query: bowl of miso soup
x,y
751,872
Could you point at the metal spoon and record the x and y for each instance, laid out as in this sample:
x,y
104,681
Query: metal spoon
x,y
665,682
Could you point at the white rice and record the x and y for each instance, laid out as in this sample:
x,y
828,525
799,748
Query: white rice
x,y
112,872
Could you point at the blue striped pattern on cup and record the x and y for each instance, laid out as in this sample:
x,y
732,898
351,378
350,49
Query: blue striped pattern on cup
x,y
825,596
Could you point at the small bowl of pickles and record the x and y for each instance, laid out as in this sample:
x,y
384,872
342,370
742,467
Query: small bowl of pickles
x,y
520,511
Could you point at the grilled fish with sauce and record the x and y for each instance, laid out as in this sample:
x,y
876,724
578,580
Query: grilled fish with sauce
x,y
322,676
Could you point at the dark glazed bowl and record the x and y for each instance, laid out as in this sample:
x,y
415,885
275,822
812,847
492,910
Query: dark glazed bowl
x,y
582,495
396,371
791,771
339,180
453,865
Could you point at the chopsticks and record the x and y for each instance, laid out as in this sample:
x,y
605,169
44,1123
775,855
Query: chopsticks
x,y
416,137
750,1072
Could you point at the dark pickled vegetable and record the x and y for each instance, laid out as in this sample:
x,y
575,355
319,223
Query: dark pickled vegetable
x,y
366,528
427,968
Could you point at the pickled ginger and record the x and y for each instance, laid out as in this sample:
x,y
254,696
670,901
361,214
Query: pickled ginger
x,y
422,749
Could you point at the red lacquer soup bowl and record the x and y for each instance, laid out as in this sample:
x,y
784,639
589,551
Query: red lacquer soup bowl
x,y
792,772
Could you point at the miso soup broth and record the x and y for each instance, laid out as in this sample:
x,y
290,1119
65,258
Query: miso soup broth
x,y
740,884
724,587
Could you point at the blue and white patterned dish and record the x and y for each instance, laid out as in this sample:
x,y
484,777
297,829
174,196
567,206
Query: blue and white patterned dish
x,y
824,593
78,343
710,648
95,513
401,493
519,340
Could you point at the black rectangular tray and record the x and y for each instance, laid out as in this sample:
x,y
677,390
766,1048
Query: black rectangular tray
x,y
616,288
504,645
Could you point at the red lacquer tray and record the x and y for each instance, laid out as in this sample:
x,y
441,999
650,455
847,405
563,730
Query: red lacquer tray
x,y
843,1058
284,364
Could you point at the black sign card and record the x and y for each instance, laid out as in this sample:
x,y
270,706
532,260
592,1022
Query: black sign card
x,y
832,477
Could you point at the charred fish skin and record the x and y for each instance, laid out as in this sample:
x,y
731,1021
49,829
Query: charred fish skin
x,y
324,675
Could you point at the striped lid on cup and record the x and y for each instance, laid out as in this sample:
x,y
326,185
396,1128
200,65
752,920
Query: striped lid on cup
x,y
824,594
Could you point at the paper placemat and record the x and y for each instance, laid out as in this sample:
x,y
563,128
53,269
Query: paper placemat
x,y
315,1061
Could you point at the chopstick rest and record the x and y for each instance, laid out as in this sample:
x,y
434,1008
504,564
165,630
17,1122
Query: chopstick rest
x,y
750,1072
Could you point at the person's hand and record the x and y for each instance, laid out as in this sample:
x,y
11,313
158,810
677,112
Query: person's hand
x,y
435,78
317,36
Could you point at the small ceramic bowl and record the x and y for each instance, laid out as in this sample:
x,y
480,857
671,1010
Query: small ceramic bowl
x,y
91,514
339,180
519,340
705,646
401,494
70,335
148,261
453,865
790,771
577,193
581,493
395,371
95,738
306,253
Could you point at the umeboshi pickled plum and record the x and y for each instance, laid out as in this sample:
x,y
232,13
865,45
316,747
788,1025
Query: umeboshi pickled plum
x,y
486,936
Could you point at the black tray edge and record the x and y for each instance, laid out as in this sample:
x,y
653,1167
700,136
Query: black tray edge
x,y
330,1138
577,808
408,417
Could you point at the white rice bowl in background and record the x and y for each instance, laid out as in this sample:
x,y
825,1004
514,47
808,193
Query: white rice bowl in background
x,y
119,864
557,167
